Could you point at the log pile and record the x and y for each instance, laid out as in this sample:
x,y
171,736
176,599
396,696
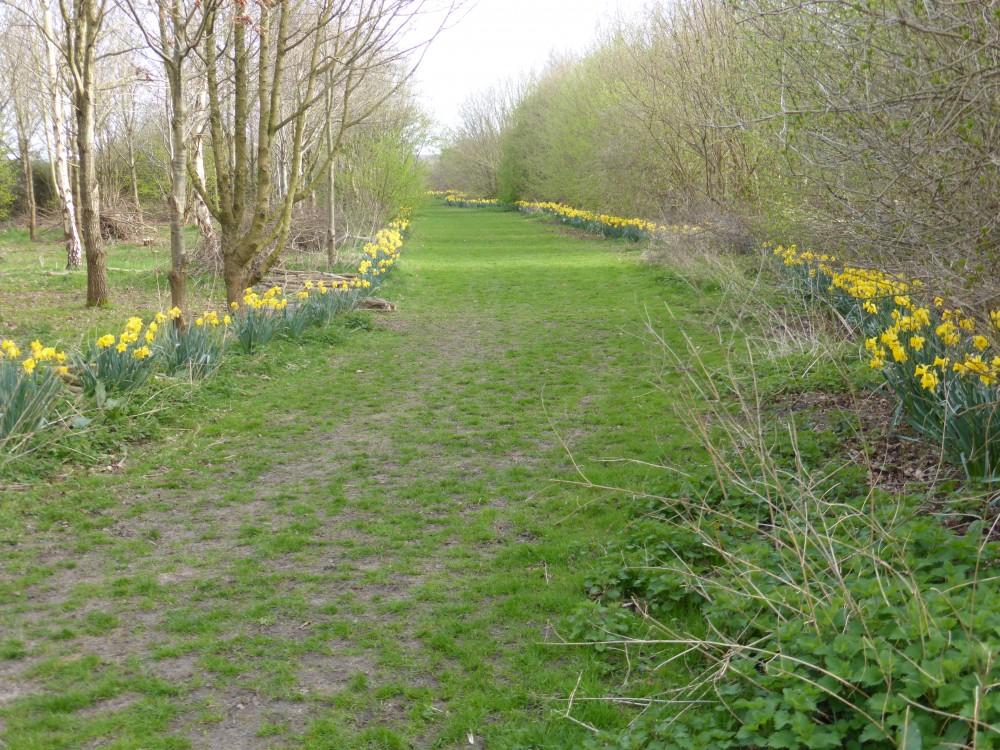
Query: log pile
x,y
292,282
121,228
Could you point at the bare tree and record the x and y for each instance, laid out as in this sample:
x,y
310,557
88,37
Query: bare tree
x,y
471,160
16,58
181,25
337,46
82,21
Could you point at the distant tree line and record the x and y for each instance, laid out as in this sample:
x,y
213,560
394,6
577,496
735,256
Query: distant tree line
x,y
870,128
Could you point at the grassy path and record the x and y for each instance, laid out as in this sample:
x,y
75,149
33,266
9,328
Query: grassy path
x,y
356,541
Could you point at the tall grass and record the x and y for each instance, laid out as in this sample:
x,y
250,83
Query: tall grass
x,y
834,614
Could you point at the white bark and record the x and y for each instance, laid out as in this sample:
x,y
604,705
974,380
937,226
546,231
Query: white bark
x,y
201,212
56,116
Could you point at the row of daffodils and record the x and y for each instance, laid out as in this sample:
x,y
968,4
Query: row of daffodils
x,y
32,381
615,227
939,360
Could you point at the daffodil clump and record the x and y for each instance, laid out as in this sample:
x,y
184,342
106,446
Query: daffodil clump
x,y
317,304
614,227
941,361
194,351
255,322
31,381
609,226
119,363
30,385
379,256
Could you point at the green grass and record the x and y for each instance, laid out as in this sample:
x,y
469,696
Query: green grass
x,y
371,538
40,298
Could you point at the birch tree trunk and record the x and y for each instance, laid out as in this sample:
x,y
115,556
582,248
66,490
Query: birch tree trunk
x,y
202,216
55,116
134,176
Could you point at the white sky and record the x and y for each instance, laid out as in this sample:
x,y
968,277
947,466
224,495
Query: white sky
x,y
500,39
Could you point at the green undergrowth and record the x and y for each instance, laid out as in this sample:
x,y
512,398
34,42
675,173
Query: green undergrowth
x,y
842,581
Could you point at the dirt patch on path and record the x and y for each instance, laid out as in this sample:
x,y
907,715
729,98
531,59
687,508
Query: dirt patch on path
x,y
258,611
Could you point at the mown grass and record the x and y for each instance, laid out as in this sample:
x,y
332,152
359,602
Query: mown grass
x,y
371,538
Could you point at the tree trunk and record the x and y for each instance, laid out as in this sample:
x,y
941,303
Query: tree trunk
x,y
134,178
85,27
178,179
73,148
55,115
331,213
90,201
233,272
29,180
202,215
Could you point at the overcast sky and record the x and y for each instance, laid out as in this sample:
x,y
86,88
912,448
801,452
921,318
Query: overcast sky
x,y
498,39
